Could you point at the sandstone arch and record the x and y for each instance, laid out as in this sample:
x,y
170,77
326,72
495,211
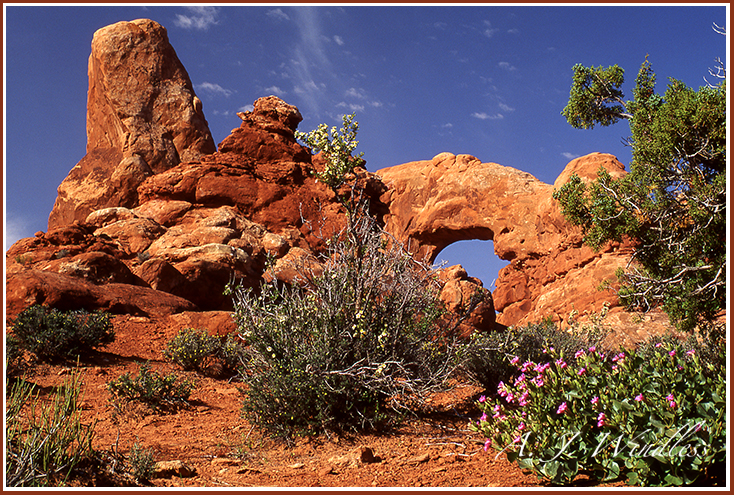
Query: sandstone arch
x,y
433,203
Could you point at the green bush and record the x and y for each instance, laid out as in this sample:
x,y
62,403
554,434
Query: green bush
x,y
141,462
13,355
488,354
192,349
232,354
51,334
656,415
45,443
354,349
151,388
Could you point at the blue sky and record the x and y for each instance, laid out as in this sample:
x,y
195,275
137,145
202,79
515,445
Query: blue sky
x,y
485,80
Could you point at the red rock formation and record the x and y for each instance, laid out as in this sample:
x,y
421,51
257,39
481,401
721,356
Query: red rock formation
x,y
143,117
450,198
153,222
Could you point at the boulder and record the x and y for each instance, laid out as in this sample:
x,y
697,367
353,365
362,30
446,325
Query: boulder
x,y
468,303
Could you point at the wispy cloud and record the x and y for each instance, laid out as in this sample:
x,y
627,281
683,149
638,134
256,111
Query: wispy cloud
x,y
310,62
338,40
356,93
200,17
447,125
16,227
489,31
513,31
486,116
246,108
505,107
354,107
214,89
507,66
275,90
361,94
569,156
278,14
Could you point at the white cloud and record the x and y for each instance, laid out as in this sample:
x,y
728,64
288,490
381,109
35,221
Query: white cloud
x,y
275,90
16,228
201,17
246,108
569,156
338,40
447,125
505,107
351,106
375,104
489,31
214,89
486,116
278,15
355,93
507,66
513,31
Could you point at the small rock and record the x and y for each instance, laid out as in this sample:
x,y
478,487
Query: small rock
x,y
417,459
297,465
169,469
246,469
326,471
360,455
224,461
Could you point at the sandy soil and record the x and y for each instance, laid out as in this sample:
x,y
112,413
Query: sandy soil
x,y
437,450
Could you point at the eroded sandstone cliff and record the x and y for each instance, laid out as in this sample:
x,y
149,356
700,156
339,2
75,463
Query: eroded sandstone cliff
x,y
155,221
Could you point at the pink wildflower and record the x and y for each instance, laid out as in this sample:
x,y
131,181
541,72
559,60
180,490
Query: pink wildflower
x,y
659,344
561,363
640,398
484,417
562,408
515,360
581,371
579,353
482,398
672,353
521,426
487,444
691,352
595,400
600,419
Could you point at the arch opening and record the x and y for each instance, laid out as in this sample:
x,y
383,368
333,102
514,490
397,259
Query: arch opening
x,y
478,259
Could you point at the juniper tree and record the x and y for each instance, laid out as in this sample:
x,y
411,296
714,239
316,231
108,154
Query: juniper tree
x,y
672,204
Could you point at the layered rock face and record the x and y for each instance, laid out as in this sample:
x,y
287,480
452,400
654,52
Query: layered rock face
x,y
143,117
450,198
154,221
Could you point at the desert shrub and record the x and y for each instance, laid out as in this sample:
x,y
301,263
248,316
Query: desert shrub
x,y
654,415
232,353
488,354
51,334
141,462
151,388
13,355
354,348
45,442
190,347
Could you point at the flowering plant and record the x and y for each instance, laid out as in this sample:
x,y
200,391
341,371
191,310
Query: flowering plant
x,y
657,417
